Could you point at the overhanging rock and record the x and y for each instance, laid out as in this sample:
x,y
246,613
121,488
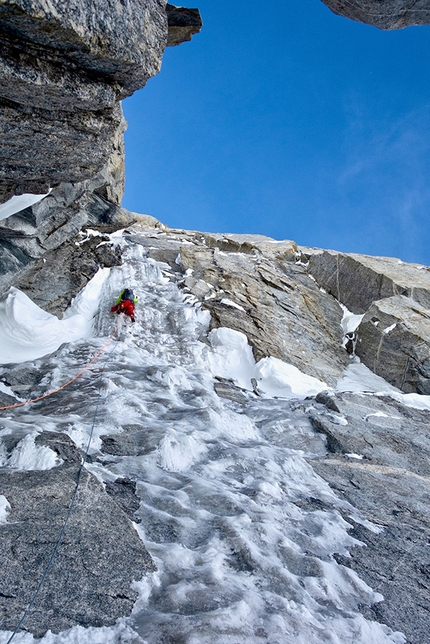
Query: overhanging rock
x,y
385,14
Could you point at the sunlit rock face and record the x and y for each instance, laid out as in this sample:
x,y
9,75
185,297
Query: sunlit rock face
x,y
384,14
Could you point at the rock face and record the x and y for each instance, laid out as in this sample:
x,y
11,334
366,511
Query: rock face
x,y
389,480
394,341
64,68
45,239
99,556
394,335
385,14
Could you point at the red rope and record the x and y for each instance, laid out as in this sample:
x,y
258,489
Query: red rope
x,y
27,402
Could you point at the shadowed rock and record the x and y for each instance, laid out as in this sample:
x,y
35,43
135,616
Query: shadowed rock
x,y
183,23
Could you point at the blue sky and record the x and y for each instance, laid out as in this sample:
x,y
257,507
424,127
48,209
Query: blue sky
x,y
288,121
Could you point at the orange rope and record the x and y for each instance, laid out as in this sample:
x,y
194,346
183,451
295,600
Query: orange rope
x,y
27,402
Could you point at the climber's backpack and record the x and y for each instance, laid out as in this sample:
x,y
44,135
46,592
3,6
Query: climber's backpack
x,y
128,295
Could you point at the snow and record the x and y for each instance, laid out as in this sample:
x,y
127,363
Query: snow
x,y
232,358
18,203
389,328
4,509
350,321
238,559
228,302
27,332
358,378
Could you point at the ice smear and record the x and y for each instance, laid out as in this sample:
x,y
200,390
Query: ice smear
x,y
27,332
357,378
4,509
233,358
240,559
18,203
121,633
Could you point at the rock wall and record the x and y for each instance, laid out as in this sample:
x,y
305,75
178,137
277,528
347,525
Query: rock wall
x,y
384,14
393,338
64,68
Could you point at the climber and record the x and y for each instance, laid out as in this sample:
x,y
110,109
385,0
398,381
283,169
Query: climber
x,y
125,303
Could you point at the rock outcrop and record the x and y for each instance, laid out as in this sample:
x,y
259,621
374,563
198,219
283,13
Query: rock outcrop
x,y
64,69
100,554
393,338
384,14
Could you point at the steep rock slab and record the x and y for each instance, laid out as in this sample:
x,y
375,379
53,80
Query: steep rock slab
x,y
253,284
99,557
394,342
358,280
389,481
385,14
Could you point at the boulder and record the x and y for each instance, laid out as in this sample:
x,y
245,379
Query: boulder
x,y
183,23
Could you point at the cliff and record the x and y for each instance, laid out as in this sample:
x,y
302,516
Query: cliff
x,y
237,424
64,69
253,451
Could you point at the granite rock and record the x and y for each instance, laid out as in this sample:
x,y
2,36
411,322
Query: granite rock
x,y
182,23
98,558
358,280
378,460
64,68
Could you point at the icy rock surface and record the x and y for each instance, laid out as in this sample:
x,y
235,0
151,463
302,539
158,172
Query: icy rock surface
x,y
244,533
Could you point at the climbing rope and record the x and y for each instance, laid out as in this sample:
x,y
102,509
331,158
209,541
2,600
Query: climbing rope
x,y
66,384
78,480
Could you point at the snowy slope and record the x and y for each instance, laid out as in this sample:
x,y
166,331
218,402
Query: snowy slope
x,y
240,557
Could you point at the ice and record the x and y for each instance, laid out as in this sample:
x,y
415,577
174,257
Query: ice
x,y
4,509
27,332
29,456
18,203
240,558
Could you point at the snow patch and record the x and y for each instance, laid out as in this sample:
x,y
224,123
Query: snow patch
x,y
4,509
228,302
232,358
29,456
27,332
357,378
18,203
